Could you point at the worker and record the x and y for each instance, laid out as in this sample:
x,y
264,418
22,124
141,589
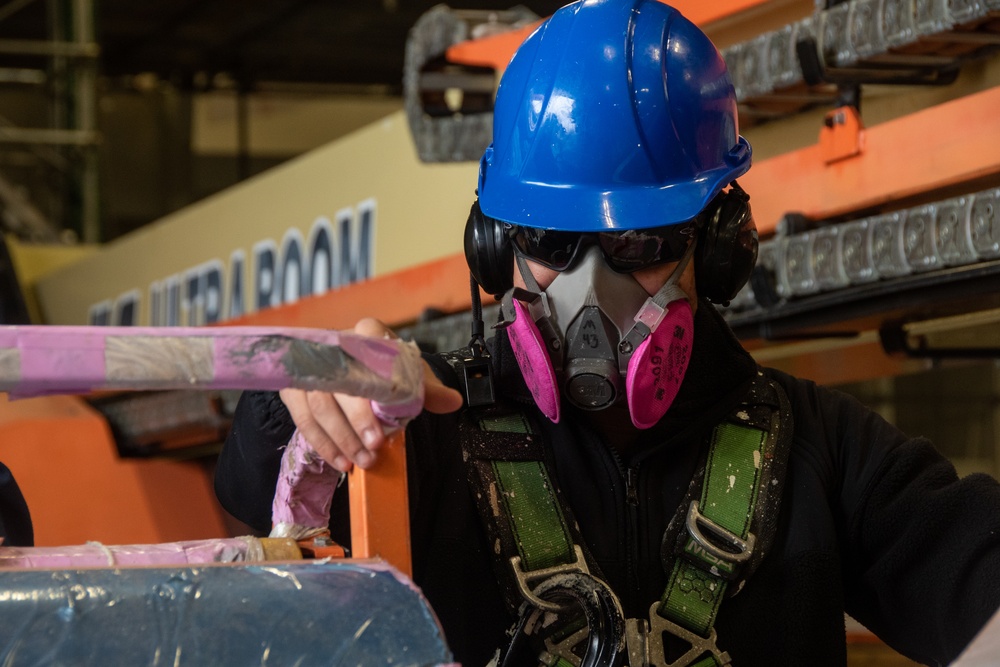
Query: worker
x,y
15,519
623,484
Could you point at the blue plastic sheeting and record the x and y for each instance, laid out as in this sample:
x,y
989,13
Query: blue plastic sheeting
x,y
322,613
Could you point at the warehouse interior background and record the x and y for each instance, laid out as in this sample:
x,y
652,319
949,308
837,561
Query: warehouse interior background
x,y
115,114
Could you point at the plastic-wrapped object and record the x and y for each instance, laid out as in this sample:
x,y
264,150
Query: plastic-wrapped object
x,y
827,259
985,223
954,232
866,33
899,22
856,252
770,261
835,40
281,614
304,492
799,271
94,554
920,238
887,245
964,11
733,56
753,76
782,62
932,16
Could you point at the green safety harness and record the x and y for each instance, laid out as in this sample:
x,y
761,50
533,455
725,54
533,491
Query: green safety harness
x,y
713,544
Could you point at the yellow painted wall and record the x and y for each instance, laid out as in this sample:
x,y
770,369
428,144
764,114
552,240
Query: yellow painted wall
x,y
33,261
419,213
281,125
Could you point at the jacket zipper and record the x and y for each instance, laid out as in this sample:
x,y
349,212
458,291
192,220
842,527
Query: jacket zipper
x,y
632,501
630,475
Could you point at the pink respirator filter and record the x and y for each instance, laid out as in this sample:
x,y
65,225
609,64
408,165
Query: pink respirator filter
x,y
534,361
657,367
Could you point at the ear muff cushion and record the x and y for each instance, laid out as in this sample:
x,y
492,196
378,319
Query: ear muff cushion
x,y
488,252
728,246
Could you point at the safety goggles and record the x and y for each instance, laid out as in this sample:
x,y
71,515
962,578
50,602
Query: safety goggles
x,y
624,251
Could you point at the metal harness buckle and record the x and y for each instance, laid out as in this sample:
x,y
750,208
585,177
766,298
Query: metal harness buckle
x,y
645,642
724,562
525,579
574,582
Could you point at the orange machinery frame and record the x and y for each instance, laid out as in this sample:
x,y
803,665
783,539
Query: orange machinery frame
x,y
852,168
496,51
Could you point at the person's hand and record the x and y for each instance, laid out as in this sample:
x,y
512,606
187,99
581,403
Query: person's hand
x,y
342,428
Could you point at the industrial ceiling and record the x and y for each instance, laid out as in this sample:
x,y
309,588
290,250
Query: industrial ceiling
x,y
326,42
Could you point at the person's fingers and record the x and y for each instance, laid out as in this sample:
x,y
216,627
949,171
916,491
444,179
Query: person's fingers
x,y
315,414
344,429
327,411
364,424
438,398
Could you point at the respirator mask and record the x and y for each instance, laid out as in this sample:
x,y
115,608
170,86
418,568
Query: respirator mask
x,y
596,334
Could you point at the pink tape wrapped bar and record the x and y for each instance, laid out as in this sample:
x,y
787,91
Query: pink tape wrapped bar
x,y
302,498
229,550
80,359
45,358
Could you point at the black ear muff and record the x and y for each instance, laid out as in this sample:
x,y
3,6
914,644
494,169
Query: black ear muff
x,y
727,247
489,252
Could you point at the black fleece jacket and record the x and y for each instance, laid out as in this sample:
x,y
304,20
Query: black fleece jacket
x,y
15,520
872,522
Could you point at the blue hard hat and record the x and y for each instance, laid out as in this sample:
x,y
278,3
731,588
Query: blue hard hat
x,y
613,114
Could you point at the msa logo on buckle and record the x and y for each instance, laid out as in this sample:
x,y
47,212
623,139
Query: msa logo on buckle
x,y
692,548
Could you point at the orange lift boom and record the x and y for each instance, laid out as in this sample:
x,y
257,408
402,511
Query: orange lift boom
x,y
496,51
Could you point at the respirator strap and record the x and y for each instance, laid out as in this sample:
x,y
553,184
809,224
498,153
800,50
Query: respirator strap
x,y
648,319
526,275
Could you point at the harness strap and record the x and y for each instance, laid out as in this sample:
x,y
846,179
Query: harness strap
x,y
707,547
718,541
697,584
525,519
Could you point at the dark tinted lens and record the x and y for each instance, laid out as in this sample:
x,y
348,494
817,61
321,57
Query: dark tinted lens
x,y
554,249
636,249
